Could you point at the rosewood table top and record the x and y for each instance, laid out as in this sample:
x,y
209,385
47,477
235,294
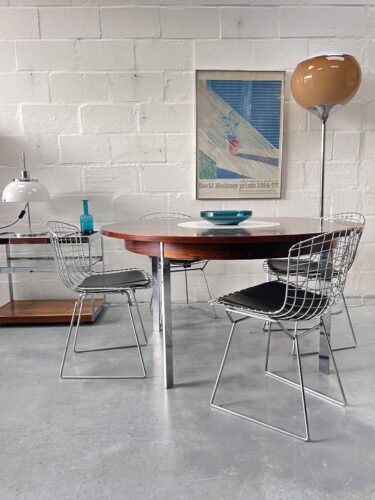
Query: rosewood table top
x,y
144,236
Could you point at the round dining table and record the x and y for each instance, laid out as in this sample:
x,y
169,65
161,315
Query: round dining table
x,y
192,239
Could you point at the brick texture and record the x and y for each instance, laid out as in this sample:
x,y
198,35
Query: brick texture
x,y
100,95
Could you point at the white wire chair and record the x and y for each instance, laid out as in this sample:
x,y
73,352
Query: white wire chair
x,y
75,273
277,267
325,260
185,266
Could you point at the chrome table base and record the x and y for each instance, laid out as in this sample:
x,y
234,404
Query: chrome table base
x,y
166,301
162,278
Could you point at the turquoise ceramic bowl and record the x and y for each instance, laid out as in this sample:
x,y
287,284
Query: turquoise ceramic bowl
x,y
226,217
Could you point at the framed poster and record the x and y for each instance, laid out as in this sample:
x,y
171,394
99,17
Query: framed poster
x,y
239,134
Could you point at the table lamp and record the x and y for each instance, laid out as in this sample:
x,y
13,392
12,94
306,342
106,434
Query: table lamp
x,y
321,84
26,190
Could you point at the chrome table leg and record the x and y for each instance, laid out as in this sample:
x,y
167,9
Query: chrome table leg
x,y
155,295
324,354
325,320
165,283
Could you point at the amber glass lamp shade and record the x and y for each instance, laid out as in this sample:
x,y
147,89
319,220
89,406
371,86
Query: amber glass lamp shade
x,y
325,80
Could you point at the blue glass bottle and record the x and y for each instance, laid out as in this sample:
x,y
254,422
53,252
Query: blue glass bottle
x,y
86,220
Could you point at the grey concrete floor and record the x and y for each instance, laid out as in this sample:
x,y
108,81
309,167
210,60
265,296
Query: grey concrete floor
x,y
131,439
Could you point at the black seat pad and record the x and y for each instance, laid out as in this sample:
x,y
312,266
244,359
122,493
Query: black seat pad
x,y
269,297
298,266
131,278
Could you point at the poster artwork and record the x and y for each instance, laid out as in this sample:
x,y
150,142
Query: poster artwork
x,y
239,134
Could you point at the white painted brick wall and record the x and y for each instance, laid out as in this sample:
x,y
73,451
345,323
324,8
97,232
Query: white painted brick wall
x,y
84,148
166,118
240,22
368,150
7,56
308,22
161,178
163,54
50,118
190,23
40,149
223,54
346,146
130,22
138,148
19,23
78,87
100,95
105,55
46,55
180,147
280,54
179,87
69,22
96,119
137,86
10,123
23,87
115,178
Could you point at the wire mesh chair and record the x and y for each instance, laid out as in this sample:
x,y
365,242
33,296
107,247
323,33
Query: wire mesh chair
x,y
278,267
185,266
75,273
325,260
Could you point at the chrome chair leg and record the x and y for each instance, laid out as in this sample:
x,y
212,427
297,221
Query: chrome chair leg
x,y
267,324
344,402
242,415
313,392
350,322
209,292
344,348
268,345
189,304
113,348
300,385
186,287
303,396
79,303
218,378
294,348
355,343
140,320
199,309
138,345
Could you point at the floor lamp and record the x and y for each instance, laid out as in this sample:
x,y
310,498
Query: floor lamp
x,y
26,190
321,84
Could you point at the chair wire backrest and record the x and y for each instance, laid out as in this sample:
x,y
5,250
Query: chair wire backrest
x,y
315,289
71,262
352,219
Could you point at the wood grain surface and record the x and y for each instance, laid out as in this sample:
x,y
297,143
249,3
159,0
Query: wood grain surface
x,y
144,237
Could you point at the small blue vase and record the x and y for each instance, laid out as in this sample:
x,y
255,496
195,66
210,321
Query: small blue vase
x,y
86,220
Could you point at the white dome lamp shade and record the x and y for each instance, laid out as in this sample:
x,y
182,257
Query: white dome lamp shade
x,y
26,190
